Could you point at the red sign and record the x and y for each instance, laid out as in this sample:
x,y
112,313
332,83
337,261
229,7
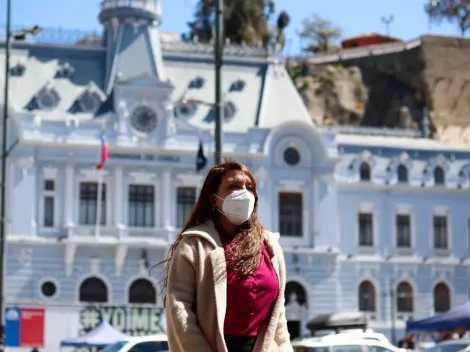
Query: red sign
x,y
32,327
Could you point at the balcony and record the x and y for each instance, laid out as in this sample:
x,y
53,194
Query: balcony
x,y
84,231
124,234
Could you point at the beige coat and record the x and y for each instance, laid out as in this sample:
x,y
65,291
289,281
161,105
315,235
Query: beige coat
x,y
196,297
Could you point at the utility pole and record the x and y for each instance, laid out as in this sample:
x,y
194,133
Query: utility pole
x,y
392,313
387,21
218,58
4,173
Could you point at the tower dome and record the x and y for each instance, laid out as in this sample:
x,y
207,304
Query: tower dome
x,y
130,9
130,32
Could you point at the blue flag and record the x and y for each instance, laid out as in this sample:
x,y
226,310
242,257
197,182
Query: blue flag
x,y
201,160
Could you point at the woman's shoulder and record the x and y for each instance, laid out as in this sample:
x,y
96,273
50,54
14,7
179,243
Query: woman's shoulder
x,y
272,236
271,241
204,232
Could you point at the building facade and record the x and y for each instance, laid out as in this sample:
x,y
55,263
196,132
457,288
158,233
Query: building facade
x,y
369,219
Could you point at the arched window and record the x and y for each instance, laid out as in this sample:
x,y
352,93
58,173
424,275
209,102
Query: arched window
x,y
296,307
402,174
364,171
441,298
404,297
439,176
142,291
93,290
294,289
367,297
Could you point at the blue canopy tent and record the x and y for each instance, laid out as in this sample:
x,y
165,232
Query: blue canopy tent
x,y
103,335
456,318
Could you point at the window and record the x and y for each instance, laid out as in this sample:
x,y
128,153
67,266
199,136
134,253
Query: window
x,y
402,174
141,206
378,349
49,196
451,347
440,232
88,203
290,214
48,289
142,291
351,348
185,200
297,291
439,176
364,171
403,225
367,297
291,156
151,346
404,297
93,290
366,231
116,347
441,298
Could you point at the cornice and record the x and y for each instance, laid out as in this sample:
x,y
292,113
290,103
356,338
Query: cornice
x,y
371,187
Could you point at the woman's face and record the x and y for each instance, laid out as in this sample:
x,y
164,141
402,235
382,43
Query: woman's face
x,y
232,181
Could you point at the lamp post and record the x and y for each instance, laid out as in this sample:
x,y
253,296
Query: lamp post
x,y
21,35
218,58
4,174
218,125
218,105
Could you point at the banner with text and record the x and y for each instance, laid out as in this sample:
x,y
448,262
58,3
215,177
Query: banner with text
x,y
133,321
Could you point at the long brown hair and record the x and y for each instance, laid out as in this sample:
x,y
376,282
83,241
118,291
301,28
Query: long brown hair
x,y
246,247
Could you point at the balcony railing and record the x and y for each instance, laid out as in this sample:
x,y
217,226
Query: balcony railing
x,y
122,233
146,5
91,231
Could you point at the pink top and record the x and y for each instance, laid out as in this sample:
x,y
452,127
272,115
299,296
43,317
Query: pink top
x,y
249,301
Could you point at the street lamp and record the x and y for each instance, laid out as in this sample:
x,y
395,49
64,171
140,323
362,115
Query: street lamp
x,y
218,61
217,106
21,35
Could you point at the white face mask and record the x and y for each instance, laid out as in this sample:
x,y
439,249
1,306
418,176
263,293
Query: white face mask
x,y
238,206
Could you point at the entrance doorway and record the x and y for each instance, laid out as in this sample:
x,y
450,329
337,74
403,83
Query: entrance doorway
x,y
294,328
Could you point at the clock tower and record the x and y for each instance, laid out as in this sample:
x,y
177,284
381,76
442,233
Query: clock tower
x,y
135,75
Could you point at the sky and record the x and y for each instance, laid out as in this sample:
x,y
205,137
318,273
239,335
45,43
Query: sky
x,y
352,16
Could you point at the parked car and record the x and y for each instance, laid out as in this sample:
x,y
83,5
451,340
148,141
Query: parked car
x,y
151,343
451,346
343,344
350,334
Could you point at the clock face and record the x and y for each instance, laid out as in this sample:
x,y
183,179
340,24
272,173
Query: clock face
x,y
144,119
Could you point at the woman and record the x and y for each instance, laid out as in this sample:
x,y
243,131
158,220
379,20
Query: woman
x,y
225,275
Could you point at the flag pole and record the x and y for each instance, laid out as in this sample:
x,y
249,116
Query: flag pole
x,y
98,203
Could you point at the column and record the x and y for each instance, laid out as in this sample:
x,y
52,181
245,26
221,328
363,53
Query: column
x,y
166,200
316,212
68,196
118,201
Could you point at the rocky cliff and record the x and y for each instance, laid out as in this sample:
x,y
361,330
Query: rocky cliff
x,y
390,85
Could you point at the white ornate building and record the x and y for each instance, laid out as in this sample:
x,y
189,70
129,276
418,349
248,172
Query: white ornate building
x,y
369,219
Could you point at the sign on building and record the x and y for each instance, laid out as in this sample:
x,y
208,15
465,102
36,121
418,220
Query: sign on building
x,y
24,327
133,321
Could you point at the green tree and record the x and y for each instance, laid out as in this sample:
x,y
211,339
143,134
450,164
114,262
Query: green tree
x,y
453,11
245,21
319,33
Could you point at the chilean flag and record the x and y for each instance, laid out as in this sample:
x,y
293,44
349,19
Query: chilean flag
x,y
104,155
